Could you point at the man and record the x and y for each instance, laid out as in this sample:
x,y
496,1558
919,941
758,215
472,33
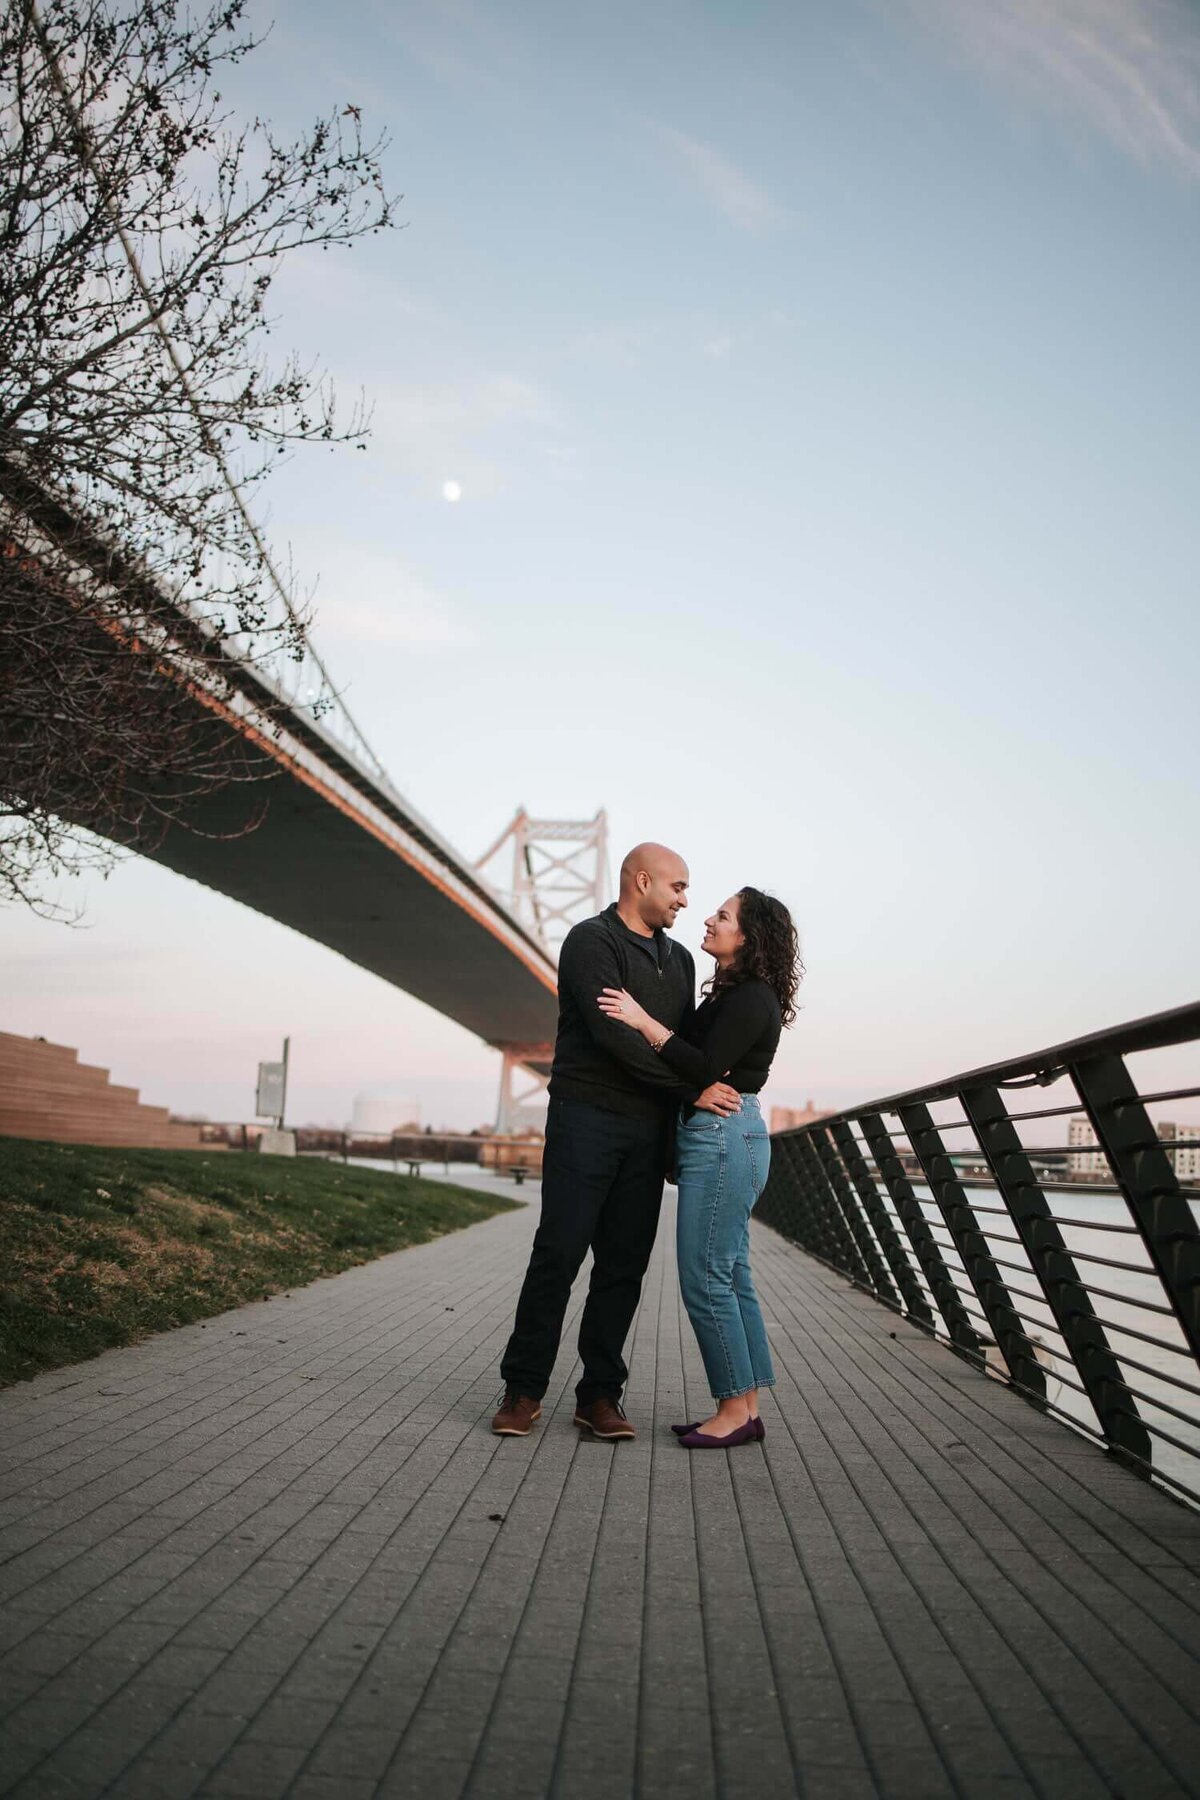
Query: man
x,y
607,1143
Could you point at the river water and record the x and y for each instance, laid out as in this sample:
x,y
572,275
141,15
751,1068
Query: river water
x,y
1128,1301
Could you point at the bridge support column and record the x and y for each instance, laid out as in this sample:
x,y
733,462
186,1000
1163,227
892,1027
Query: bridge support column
x,y
524,1072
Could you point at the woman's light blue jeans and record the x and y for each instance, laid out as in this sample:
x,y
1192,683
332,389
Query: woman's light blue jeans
x,y
722,1169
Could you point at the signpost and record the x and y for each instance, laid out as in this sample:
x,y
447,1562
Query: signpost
x,y
271,1096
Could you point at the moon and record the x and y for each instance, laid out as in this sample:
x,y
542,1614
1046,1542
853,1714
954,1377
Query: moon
x,y
452,491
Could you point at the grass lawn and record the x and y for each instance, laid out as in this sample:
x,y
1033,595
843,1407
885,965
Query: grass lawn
x,y
103,1247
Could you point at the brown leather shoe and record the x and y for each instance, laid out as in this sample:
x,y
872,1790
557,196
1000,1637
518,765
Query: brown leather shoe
x,y
604,1418
517,1414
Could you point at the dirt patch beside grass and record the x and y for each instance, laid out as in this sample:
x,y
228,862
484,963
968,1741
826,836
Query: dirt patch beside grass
x,y
102,1247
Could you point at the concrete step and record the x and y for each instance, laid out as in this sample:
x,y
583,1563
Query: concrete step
x,y
55,1086
47,1094
14,1067
51,1111
136,1136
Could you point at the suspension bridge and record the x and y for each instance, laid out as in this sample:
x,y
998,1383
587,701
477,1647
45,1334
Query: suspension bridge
x,y
337,852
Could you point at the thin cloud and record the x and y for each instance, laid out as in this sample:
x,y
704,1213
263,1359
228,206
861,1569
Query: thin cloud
x,y
726,187
435,37
395,621
477,431
383,602
616,343
470,407
1129,70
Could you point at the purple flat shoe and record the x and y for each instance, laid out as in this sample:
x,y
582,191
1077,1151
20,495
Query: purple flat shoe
x,y
745,1434
682,1431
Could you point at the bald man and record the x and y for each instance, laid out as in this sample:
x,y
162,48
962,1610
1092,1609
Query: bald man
x,y
608,1136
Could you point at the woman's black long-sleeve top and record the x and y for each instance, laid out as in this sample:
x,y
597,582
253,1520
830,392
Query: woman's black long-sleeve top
x,y
732,1038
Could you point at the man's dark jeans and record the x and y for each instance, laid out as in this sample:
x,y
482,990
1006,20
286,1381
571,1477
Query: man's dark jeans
x,y
602,1184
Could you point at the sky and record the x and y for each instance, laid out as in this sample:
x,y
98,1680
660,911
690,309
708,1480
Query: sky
x,y
819,386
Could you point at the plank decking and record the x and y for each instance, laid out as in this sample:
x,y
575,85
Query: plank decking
x,y
281,1554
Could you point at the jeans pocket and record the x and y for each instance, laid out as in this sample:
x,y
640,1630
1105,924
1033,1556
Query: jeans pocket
x,y
758,1150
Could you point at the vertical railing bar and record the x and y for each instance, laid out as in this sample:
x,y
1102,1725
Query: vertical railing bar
x,y
847,1257
1013,1341
820,1240
875,1176
855,1215
823,1238
814,1223
960,1330
829,1246
785,1204
888,1237
1144,1175
1057,1274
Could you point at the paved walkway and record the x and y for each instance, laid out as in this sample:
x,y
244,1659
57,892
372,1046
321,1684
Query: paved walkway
x,y
281,1554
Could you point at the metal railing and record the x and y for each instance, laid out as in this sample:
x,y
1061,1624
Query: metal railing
x,y
1057,1246
412,1149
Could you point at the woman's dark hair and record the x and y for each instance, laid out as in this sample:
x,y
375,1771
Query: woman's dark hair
x,y
771,950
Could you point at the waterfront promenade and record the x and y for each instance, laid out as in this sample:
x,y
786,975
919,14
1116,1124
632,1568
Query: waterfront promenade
x,y
281,1554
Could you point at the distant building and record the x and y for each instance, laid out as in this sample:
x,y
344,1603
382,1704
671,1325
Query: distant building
x,y
1185,1162
378,1115
1089,1163
1085,1164
790,1118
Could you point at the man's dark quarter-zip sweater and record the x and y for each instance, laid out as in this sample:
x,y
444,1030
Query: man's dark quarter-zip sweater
x,y
599,1060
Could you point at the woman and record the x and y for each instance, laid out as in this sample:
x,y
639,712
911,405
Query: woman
x,y
723,1162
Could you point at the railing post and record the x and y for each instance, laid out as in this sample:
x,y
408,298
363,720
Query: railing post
x,y
1014,1342
1144,1174
962,1333
845,1254
785,1204
855,1162
835,1174
812,1202
1054,1266
824,1242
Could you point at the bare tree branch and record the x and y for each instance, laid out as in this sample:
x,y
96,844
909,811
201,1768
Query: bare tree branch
x,y
140,232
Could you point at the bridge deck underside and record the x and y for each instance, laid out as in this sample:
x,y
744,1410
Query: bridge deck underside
x,y
315,867
283,1555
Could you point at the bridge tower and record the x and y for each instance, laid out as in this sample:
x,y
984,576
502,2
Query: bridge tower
x,y
559,875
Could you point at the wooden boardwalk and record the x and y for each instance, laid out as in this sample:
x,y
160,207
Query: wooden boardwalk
x,y
281,1555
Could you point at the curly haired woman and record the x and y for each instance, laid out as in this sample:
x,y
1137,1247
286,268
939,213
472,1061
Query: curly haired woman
x,y
723,1162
